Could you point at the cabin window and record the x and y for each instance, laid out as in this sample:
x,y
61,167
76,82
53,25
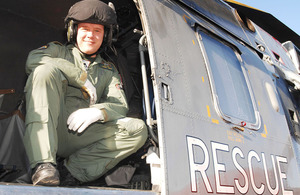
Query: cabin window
x,y
229,82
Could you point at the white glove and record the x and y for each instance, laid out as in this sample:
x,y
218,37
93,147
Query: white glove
x,y
82,118
91,90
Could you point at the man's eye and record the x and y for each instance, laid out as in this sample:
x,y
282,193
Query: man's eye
x,y
83,29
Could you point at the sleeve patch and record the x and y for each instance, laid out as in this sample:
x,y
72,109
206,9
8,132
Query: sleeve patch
x,y
46,46
107,65
43,47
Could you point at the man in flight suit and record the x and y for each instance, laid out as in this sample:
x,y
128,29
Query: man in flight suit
x,y
76,107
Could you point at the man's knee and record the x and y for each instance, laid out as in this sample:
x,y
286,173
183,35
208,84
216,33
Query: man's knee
x,y
133,125
46,73
135,128
142,132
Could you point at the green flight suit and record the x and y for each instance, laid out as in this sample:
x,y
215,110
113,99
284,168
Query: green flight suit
x,y
54,90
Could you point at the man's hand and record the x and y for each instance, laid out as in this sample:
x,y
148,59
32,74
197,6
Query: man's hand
x,y
82,118
91,90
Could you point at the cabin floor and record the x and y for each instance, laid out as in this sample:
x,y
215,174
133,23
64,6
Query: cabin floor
x,y
11,188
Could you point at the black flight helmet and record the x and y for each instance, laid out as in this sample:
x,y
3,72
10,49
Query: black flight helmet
x,y
91,11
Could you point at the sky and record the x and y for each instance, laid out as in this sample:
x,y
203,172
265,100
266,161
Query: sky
x,y
287,11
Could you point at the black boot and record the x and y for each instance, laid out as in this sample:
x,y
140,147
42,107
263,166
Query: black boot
x,y
45,174
67,179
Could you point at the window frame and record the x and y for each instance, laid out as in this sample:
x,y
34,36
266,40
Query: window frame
x,y
226,117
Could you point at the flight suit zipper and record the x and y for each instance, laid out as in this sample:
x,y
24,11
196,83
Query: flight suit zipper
x,y
86,64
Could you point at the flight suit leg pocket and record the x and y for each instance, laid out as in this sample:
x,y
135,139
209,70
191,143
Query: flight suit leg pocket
x,y
38,115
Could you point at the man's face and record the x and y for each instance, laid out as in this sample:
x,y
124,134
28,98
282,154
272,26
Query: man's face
x,y
89,37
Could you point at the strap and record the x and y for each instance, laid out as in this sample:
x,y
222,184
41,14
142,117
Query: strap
x,y
7,91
